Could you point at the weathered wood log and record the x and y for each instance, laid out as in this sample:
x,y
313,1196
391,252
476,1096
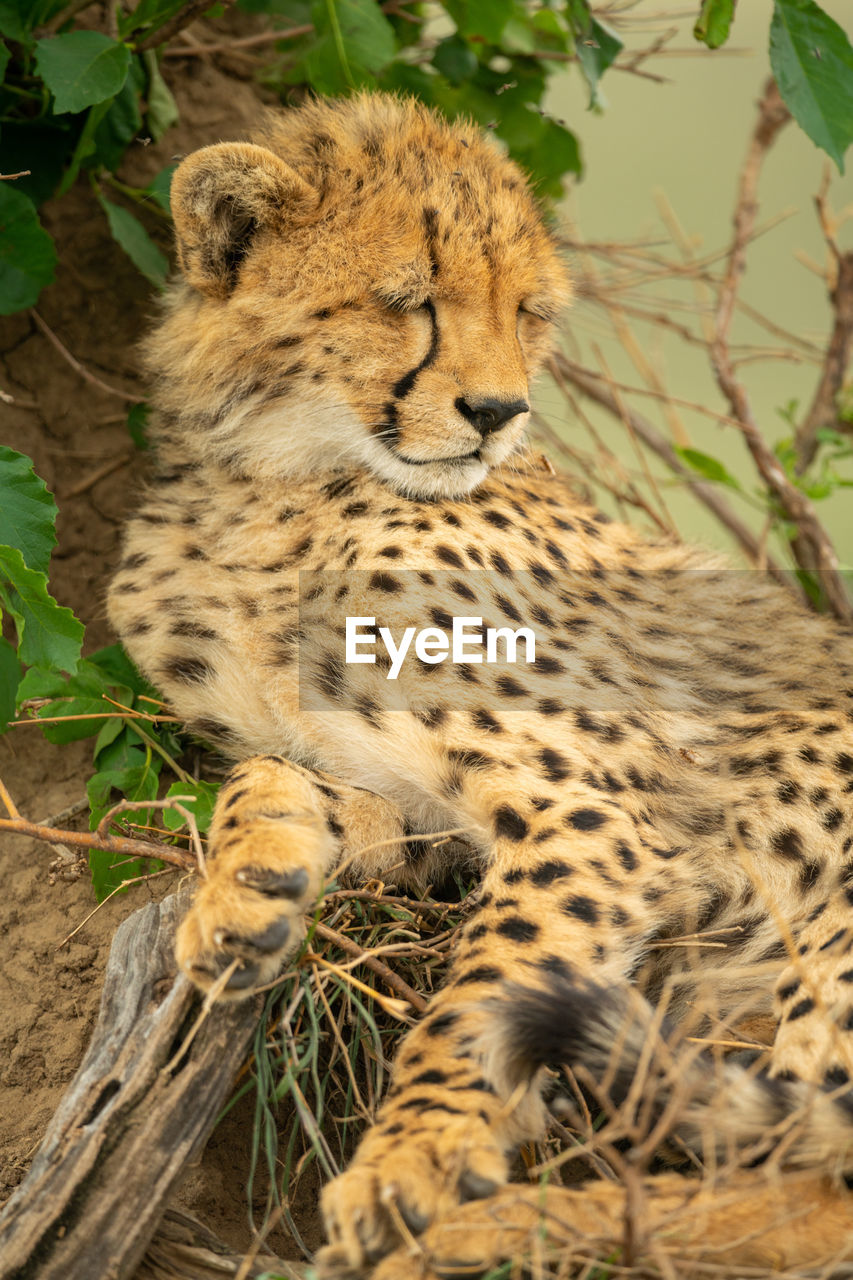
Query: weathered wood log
x,y
141,1106
184,1249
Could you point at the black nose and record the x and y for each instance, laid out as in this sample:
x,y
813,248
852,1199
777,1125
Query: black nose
x,y
490,415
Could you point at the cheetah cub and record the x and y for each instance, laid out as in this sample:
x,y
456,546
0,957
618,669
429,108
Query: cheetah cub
x,y
639,744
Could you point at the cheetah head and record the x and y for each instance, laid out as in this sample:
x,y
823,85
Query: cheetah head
x,y
366,285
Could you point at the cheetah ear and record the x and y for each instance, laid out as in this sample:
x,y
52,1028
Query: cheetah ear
x,y
221,197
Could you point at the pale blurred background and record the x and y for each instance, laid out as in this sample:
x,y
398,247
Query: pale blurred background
x,y
680,146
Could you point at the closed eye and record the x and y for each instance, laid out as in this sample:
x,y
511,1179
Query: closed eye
x,y
538,310
404,305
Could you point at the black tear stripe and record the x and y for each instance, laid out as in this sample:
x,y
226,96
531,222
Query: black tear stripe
x,y
403,386
388,428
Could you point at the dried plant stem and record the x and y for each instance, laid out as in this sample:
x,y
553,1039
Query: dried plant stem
x,y
243,42
65,15
114,464
76,365
188,13
812,548
823,411
593,385
126,845
387,975
125,884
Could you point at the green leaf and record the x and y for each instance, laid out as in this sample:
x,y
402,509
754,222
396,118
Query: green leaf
x,y
82,68
550,32
596,45
27,255
17,19
118,669
812,61
51,139
5,55
121,122
541,145
297,12
82,694
149,14
714,21
137,424
69,730
10,677
484,18
85,144
201,806
160,187
162,109
354,41
136,782
125,751
27,510
708,467
554,153
48,634
136,242
108,671
455,59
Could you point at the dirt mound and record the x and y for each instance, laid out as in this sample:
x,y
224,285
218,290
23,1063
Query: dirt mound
x,y
75,431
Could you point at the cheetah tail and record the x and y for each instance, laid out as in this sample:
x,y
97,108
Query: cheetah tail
x,y
648,1078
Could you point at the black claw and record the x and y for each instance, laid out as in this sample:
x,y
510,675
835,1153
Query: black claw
x,y
272,939
415,1221
214,966
275,884
473,1186
246,976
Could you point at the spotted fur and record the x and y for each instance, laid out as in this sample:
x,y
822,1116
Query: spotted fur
x,y
341,383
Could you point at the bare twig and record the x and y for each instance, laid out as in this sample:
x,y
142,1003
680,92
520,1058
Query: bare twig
x,y
59,19
387,975
76,365
188,13
823,411
171,802
243,42
10,177
5,398
812,548
126,845
592,385
125,884
114,464
107,844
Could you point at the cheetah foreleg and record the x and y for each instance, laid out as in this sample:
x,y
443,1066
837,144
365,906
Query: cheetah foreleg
x,y
277,832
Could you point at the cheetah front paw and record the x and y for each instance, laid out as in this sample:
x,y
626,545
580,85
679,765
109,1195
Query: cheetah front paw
x,y
264,872
405,1175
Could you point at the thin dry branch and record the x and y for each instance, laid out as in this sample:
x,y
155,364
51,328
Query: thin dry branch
x,y
187,14
823,411
812,548
595,387
244,42
77,366
65,15
124,845
388,976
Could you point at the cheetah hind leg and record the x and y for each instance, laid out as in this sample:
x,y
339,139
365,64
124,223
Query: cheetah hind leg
x,y
276,833
756,1218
